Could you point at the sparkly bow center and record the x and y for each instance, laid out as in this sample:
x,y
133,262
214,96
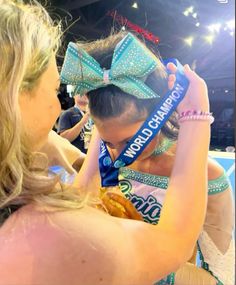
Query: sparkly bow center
x,y
106,77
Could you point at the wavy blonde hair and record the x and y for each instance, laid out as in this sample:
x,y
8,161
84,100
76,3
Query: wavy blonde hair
x,y
28,39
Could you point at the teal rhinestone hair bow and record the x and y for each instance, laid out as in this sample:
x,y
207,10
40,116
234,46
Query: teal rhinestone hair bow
x,y
131,62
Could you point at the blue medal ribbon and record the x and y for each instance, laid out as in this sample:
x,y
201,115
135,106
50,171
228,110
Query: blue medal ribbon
x,y
109,170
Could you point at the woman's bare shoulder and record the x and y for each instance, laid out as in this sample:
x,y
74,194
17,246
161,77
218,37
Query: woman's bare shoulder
x,y
59,247
84,246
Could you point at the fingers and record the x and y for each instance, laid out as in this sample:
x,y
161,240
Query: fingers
x,y
189,73
172,67
113,208
192,75
130,211
171,78
171,81
187,68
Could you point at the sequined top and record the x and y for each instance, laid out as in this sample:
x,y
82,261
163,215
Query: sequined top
x,y
147,193
144,188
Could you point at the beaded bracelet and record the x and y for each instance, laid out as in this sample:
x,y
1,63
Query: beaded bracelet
x,y
193,115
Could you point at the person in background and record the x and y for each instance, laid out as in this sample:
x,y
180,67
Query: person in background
x,y
74,123
50,234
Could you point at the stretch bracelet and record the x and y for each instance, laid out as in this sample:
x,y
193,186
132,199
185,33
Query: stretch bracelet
x,y
193,115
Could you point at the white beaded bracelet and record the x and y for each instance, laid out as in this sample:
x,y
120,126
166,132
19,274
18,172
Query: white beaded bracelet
x,y
193,115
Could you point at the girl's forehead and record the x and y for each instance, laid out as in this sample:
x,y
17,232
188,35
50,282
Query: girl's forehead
x,y
107,123
131,115
116,130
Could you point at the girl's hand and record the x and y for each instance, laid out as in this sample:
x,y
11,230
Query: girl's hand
x,y
196,97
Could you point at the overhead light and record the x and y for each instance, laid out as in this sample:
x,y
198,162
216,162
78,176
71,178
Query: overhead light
x,y
209,39
194,15
188,11
189,41
226,90
232,33
135,5
123,28
197,24
231,24
215,27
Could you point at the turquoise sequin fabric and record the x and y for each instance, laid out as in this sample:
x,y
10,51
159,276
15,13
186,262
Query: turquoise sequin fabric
x,y
131,63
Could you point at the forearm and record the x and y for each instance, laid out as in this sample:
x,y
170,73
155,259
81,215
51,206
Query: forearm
x,y
61,152
185,205
90,167
72,153
72,133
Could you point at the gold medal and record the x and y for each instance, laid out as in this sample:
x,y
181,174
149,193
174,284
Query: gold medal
x,y
114,189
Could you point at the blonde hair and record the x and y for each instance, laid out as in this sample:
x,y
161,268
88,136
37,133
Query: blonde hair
x,y
28,39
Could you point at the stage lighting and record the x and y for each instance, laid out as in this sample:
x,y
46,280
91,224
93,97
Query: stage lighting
x,y
189,41
135,5
188,11
230,25
215,27
209,39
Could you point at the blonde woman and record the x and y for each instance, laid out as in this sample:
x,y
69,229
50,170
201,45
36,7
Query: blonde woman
x,y
49,236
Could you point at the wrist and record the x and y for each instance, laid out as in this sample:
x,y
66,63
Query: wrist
x,y
195,115
78,127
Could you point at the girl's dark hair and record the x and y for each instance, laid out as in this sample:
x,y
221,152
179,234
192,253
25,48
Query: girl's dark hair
x,y
111,101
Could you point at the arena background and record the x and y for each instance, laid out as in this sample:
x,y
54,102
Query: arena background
x,y
200,33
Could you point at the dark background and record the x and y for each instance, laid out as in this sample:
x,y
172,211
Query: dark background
x,y
88,20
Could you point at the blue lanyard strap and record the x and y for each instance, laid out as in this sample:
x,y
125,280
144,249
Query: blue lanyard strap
x,y
109,170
